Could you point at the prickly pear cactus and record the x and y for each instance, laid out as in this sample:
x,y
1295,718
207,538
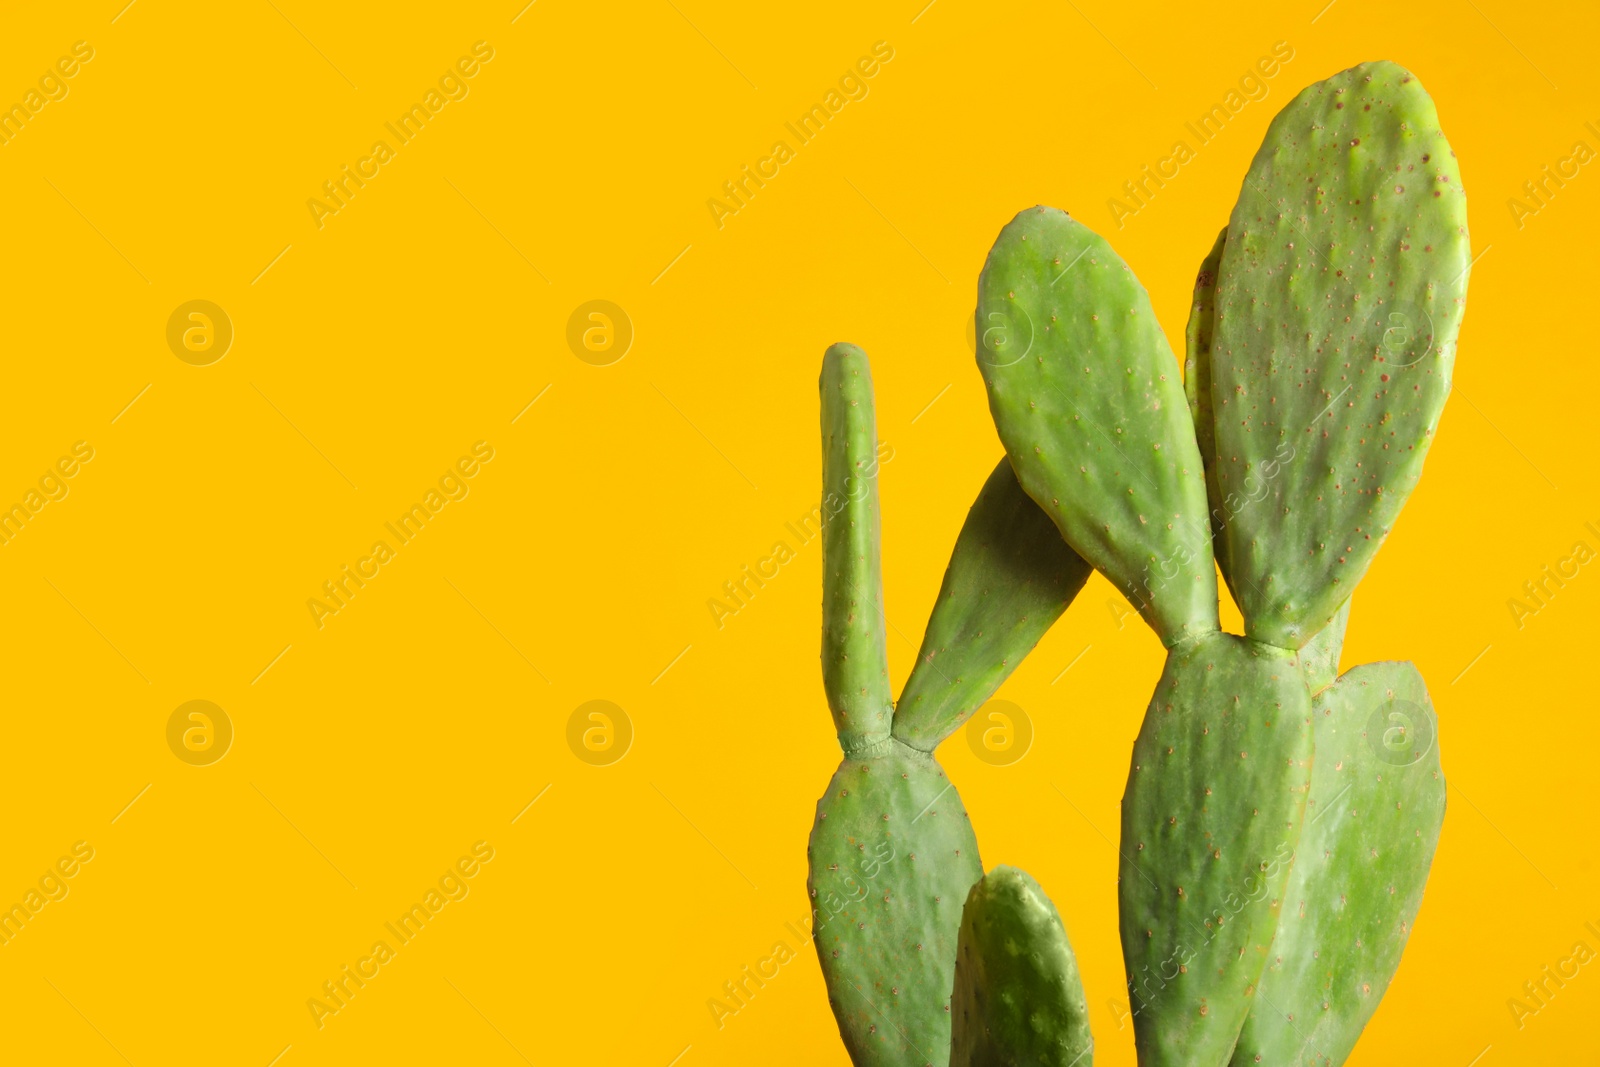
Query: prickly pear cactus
x,y
1338,299
892,853
1087,398
1018,999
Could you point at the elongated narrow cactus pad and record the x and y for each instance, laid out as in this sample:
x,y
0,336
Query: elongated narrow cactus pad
x,y
855,668
1010,578
891,859
1319,660
1087,398
1341,290
1197,383
1018,998
1377,803
1210,821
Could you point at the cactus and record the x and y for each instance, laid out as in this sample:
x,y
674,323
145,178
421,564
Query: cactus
x,y
892,854
1018,999
1280,818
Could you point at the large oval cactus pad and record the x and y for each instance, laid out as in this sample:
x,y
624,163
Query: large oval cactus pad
x,y
1018,998
1210,821
891,858
1010,578
1087,398
1197,383
1341,291
1377,803
855,664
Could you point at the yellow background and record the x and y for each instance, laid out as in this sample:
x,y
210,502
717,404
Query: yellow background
x,y
426,315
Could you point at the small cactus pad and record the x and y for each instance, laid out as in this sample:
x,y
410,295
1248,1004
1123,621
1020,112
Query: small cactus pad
x,y
1377,803
891,859
1010,578
1210,821
1018,999
1197,384
855,668
1341,290
1087,398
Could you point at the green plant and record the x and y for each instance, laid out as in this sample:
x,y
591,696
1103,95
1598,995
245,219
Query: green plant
x,y
1280,818
892,854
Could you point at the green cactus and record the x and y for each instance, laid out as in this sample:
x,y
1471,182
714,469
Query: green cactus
x,y
1018,999
1280,818
892,854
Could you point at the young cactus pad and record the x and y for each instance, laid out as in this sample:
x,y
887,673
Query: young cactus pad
x,y
1010,578
1018,999
1087,399
1339,296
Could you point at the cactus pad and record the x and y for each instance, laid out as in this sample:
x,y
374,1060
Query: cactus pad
x,y
1018,999
1086,395
1339,297
1377,803
1010,578
891,859
1210,819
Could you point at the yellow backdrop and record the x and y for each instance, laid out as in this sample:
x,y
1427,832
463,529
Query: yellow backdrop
x,y
535,300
